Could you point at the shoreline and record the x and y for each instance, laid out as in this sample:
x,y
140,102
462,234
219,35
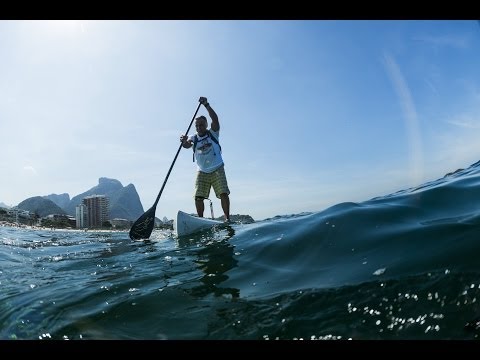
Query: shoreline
x,y
42,228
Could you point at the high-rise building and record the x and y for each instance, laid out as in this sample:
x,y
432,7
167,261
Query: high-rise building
x,y
97,210
81,216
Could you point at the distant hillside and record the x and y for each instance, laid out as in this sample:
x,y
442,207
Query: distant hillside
x,y
3,205
243,219
61,200
125,204
40,206
124,201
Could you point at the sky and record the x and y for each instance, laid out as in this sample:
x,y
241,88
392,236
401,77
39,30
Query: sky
x,y
312,113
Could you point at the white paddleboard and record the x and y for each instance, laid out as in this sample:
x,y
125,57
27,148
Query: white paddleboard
x,y
186,224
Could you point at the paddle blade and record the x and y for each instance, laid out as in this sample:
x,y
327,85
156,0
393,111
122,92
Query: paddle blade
x,y
143,227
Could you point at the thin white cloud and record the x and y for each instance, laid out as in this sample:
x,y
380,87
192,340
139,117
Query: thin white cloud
x,y
410,116
465,121
444,40
29,170
432,87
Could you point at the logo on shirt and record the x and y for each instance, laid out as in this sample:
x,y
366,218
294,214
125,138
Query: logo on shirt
x,y
205,148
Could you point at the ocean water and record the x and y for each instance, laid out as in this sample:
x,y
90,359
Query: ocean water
x,y
401,266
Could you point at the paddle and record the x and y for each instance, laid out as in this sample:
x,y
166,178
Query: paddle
x,y
143,227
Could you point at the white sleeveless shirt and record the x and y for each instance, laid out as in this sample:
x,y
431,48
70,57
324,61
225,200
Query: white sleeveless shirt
x,y
207,152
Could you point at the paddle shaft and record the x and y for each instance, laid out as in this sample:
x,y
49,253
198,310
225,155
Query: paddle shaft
x,y
142,228
175,159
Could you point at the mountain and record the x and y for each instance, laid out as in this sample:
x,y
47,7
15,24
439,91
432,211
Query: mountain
x,y
41,206
61,200
124,201
5,206
125,204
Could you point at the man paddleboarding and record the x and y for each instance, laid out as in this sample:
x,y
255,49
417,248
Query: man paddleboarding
x,y
207,153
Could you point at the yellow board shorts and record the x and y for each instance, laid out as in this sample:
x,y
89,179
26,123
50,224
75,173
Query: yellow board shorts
x,y
215,179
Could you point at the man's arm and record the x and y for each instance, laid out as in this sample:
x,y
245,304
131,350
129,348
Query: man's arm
x,y
213,115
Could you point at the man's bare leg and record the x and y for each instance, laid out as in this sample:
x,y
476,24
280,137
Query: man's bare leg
x,y
225,200
200,206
